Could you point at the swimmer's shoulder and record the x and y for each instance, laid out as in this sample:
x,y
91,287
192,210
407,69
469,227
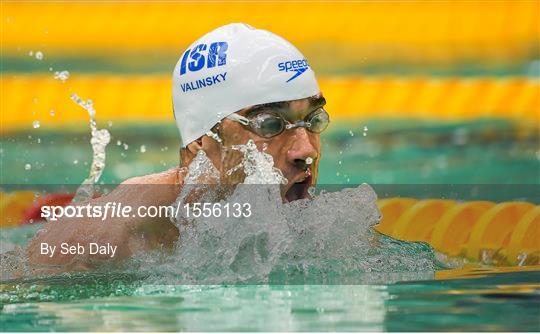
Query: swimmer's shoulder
x,y
171,176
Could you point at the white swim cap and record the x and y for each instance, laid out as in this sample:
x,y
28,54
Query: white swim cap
x,y
231,68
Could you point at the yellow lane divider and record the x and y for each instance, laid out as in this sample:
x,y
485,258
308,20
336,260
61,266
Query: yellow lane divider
x,y
13,206
363,31
504,234
476,271
500,221
454,227
142,99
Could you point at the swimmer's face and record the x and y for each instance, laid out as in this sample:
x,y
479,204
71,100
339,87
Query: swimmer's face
x,y
292,150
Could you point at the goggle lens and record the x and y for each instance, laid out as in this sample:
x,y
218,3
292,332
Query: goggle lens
x,y
268,125
319,122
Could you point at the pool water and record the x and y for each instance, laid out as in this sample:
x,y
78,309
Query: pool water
x,y
494,302
480,299
392,152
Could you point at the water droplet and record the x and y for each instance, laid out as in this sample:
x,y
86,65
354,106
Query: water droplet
x,y
143,148
39,140
27,167
214,136
365,131
30,53
309,160
52,113
521,258
75,161
351,133
109,123
36,124
118,142
126,146
337,174
39,55
62,76
339,162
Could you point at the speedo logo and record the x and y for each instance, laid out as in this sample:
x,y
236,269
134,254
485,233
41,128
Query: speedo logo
x,y
297,66
204,55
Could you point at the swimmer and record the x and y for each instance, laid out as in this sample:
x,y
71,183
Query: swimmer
x,y
238,83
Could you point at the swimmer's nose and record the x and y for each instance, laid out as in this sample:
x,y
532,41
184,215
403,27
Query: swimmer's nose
x,y
302,153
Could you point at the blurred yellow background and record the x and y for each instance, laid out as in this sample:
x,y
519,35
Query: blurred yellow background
x,y
422,30
440,59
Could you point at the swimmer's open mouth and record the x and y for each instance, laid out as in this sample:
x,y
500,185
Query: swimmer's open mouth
x,y
299,189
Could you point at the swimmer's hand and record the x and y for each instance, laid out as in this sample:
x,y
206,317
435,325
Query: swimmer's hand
x,y
126,236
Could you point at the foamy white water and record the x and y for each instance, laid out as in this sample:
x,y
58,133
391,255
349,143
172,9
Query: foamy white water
x,y
327,239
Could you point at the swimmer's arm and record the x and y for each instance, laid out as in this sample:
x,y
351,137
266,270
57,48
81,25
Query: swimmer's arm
x,y
129,235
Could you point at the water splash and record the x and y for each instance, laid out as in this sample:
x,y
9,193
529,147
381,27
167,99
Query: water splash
x,y
61,75
327,239
201,170
36,124
200,174
258,166
100,139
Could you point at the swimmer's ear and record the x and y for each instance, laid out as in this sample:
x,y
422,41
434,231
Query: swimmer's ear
x,y
195,146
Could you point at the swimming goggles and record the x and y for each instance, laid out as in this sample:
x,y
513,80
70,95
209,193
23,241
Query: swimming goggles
x,y
270,124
